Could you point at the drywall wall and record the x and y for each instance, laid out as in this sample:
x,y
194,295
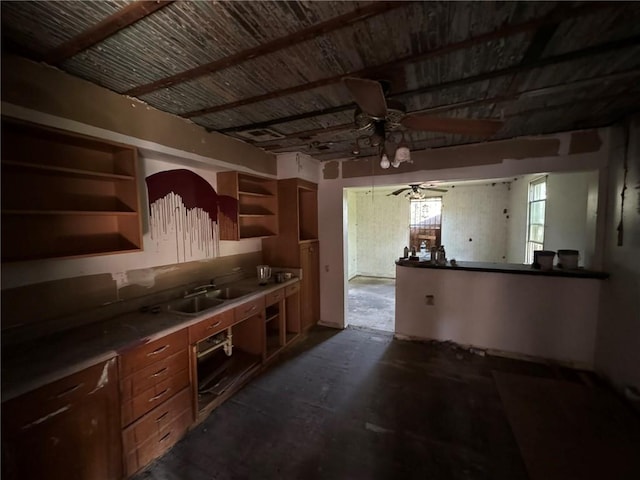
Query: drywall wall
x,y
352,234
571,212
517,226
474,222
618,342
539,316
510,160
566,214
382,225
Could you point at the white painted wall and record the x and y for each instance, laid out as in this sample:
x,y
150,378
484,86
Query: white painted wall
x,y
566,214
382,231
618,344
571,213
474,225
517,225
540,316
352,234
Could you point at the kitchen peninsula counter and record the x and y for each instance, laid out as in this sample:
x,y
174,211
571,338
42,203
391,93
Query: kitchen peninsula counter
x,y
507,309
513,268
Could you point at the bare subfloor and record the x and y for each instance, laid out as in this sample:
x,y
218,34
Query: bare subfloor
x,y
357,404
371,303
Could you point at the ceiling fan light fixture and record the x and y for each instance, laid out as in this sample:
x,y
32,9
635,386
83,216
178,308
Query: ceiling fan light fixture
x,y
403,154
384,161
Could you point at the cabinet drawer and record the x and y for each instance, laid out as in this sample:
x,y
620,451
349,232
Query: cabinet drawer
x,y
145,355
274,297
210,326
154,396
158,443
146,378
46,402
291,289
249,309
156,422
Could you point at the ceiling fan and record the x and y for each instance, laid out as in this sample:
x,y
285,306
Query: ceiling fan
x,y
382,118
417,190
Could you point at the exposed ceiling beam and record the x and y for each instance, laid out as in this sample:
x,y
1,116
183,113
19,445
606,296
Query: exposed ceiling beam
x,y
537,92
357,15
512,70
534,52
545,26
112,24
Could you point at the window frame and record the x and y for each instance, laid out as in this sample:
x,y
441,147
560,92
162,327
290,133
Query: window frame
x,y
435,230
531,245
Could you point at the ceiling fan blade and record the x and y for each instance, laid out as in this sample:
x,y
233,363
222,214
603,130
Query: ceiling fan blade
x,y
368,95
398,192
435,189
464,126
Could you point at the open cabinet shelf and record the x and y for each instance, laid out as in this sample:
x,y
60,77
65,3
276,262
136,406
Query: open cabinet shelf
x,y
66,195
257,213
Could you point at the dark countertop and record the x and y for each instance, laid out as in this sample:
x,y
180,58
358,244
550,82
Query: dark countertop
x,y
514,268
32,364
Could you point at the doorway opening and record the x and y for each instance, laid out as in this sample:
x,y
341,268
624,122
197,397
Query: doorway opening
x,y
377,232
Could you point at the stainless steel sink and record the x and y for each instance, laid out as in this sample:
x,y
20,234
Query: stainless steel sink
x,y
195,305
228,293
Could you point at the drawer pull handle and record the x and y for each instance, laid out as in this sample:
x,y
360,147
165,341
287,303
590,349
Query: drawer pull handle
x,y
159,372
161,394
214,325
159,419
165,437
157,351
69,390
253,307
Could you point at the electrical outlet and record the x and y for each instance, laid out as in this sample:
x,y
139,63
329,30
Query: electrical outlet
x,y
429,300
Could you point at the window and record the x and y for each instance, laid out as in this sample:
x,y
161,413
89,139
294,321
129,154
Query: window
x,y
535,223
425,224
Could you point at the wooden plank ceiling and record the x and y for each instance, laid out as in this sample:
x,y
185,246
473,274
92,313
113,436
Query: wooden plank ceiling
x,y
271,73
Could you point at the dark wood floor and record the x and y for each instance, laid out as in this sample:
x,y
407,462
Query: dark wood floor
x,y
356,404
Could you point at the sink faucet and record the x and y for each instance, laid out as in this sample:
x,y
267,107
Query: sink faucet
x,y
199,290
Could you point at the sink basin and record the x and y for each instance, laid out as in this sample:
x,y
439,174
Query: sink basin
x,y
194,305
229,293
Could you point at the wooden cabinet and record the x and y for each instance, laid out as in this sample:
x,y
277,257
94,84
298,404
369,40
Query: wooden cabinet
x,y
68,429
156,401
66,195
309,287
257,213
210,326
154,433
297,242
274,325
292,312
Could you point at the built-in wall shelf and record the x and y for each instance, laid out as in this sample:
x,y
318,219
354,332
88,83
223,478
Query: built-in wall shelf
x,y
66,195
67,172
257,213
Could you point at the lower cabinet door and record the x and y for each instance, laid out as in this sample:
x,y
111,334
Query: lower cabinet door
x,y
74,436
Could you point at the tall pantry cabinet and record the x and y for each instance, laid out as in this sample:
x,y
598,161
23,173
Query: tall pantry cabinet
x,y
297,245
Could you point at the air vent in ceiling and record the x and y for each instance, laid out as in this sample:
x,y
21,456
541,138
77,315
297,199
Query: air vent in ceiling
x,y
259,135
